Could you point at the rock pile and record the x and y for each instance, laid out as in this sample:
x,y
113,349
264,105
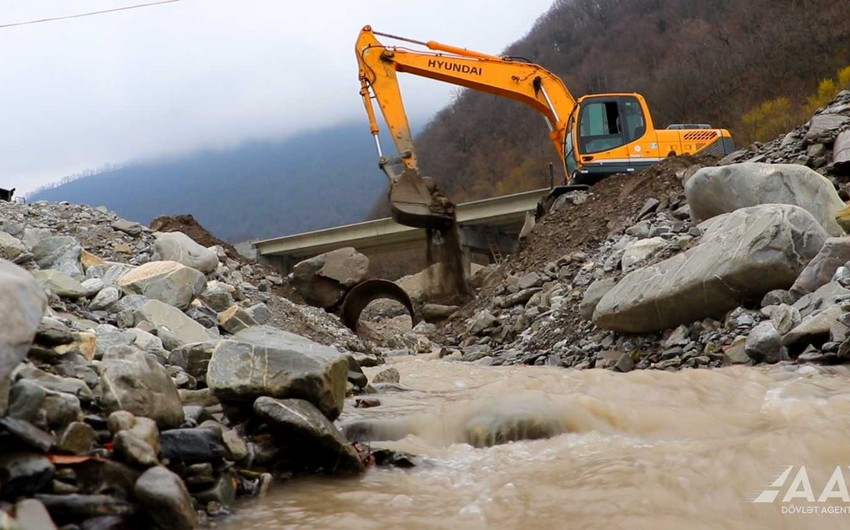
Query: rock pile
x,y
680,266
142,380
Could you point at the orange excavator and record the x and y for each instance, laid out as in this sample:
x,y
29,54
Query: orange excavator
x,y
595,136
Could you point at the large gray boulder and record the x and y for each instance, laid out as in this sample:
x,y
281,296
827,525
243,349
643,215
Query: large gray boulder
x,y
166,281
134,381
12,249
323,280
172,325
834,253
59,283
177,246
22,305
166,499
742,256
717,190
265,361
61,253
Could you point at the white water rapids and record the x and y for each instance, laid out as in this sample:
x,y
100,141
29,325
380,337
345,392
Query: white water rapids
x,y
643,450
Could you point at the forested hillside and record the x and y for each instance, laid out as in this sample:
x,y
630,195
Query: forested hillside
x,y
713,61
258,190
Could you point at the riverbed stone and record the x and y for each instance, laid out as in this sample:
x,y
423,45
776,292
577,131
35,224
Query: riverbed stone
x,y
134,450
61,253
742,256
265,361
105,298
12,249
721,189
834,253
764,343
166,499
77,438
593,295
167,281
192,446
22,305
134,381
177,246
324,279
172,325
640,251
234,319
24,474
387,375
59,283
304,431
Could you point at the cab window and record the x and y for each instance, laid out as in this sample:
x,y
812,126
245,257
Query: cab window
x,y
609,123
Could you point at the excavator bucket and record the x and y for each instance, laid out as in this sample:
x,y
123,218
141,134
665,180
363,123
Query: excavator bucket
x,y
416,203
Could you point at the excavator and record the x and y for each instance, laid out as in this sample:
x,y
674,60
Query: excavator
x,y
595,136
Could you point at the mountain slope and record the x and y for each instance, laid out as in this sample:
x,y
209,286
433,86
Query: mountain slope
x,y
257,190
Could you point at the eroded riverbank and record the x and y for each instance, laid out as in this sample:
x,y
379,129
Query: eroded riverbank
x,y
647,449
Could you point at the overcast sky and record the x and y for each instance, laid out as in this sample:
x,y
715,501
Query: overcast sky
x,y
77,94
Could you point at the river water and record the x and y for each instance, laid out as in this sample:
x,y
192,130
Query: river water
x,y
643,450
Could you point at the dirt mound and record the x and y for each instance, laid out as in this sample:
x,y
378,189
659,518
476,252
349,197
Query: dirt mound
x,y
611,207
192,228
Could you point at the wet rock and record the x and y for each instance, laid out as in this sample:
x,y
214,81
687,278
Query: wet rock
x,y
324,279
223,491
167,281
79,507
191,446
134,450
716,190
783,316
177,246
166,499
743,255
133,381
764,343
307,433
264,361
61,253
27,433
24,474
237,449
387,375
77,438
173,326
826,296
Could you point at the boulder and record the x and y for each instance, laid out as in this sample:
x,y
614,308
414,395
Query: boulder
x,y
12,249
173,326
105,298
166,281
716,190
166,499
742,256
194,357
764,343
234,319
834,253
61,253
265,361
59,283
22,305
323,280
309,437
593,295
217,296
177,246
134,381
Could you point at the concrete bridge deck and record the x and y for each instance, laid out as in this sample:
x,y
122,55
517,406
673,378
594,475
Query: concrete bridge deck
x,y
500,217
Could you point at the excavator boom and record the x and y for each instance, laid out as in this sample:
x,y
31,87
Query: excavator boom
x,y
414,202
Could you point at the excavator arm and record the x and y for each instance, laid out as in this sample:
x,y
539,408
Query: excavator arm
x,y
414,202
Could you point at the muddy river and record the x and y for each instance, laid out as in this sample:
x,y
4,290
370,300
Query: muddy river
x,y
643,450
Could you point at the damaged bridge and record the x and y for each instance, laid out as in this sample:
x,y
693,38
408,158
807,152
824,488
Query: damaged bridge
x,y
489,226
